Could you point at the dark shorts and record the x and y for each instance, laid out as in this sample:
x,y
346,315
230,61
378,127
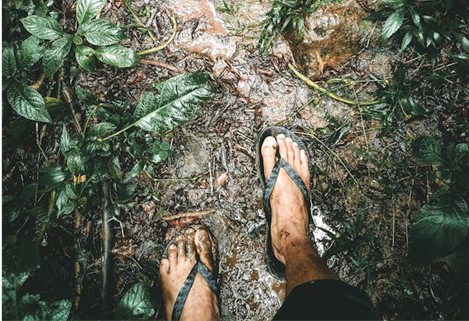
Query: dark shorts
x,y
327,300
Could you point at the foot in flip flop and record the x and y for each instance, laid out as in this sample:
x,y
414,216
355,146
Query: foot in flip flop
x,y
189,288
289,211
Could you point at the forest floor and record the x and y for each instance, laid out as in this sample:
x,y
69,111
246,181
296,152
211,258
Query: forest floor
x,y
363,195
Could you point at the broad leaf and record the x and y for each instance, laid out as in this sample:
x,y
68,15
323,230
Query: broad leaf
x,y
426,150
102,130
66,200
30,52
439,229
27,102
392,24
85,58
88,9
101,32
8,61
51,176
65,141
43,28
55,55
406,40
179,100
135,304
56,311
465,44
136,169
117,56
75,162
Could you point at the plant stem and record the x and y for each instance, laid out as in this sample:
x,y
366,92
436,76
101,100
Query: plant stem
x,y
88,120
323,90
164,44
53,194
116,133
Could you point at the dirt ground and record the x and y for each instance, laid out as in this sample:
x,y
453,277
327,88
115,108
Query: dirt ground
x,y
361,217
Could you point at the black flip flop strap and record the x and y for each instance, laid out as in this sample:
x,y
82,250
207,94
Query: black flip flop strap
x,y
270,184
199,267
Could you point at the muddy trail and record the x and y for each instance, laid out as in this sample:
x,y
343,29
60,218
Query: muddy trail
x,y
363,200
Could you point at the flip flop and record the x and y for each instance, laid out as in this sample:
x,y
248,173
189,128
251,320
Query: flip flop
x,y
275,266
199,267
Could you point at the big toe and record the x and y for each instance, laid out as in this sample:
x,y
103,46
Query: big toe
x,y
269,152
204,248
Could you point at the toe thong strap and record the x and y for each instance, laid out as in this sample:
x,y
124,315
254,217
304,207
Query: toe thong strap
x,y
199,267
270,184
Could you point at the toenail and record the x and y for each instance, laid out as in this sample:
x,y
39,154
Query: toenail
x,y
295,144
280,136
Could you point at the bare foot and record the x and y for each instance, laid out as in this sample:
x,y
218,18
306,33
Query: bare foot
x,y
201,303
289,211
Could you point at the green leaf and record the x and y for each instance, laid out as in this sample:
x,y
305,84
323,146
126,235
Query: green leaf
x,y
88,9
85,58
465,44
52,175
179,100
65,141
43,28
27,102
8,61
30,52
439,229
57,310
55,55
75,163
66,200
101,32
406,40
117,56
136,169
426,150
392,24
102,130
135,304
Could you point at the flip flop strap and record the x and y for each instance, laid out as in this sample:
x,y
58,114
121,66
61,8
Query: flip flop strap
x,y
199,267
270,184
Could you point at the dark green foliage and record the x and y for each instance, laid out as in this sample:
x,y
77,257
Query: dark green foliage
x,y
286,16
178,101
429,25
135,304
400,101
441,227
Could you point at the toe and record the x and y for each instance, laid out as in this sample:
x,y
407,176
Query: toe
x,y
269,149
203,247
304,168
164,266
190,247
181,245
282,147
172,255
297,160
290,152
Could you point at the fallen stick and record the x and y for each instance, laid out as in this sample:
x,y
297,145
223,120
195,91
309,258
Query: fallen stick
x,y
188,214
157,63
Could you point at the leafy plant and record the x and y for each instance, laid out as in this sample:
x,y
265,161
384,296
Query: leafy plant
x,y
94,38
135,304
286,16
101,34
428,24
400,103
442,226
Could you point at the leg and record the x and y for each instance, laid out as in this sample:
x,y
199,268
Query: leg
x,y
201,303
290,217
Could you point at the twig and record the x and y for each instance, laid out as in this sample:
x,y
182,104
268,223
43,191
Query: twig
x,y
38,82
333,153
53,194
323,90
164,44
188,214
106,251
157,63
